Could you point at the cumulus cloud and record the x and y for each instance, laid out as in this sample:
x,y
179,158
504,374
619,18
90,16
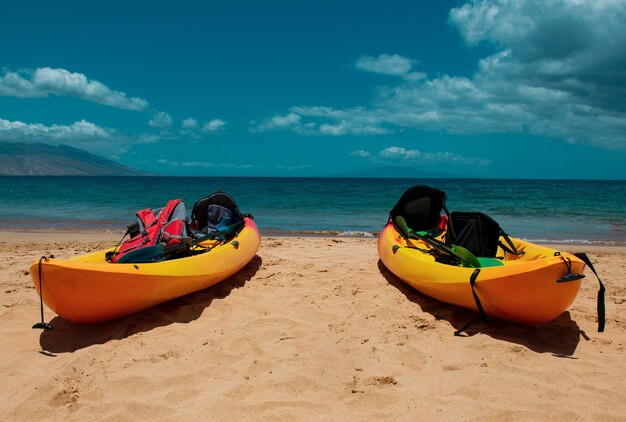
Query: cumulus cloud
x,y
81,134
385,64
289,121
160,120
557,72
204,164
191,128
400,155
360,153
209,164
189,123
16,130
214,125
324,121
45,81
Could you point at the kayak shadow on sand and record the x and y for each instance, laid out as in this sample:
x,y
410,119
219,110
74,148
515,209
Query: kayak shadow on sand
x,y
559,337
67,336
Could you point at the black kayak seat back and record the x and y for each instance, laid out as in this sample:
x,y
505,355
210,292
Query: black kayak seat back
x,y
421,207
475,231
216,210
218,216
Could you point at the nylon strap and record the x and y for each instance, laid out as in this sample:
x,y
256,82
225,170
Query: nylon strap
x,y
479,306
508,240
601,309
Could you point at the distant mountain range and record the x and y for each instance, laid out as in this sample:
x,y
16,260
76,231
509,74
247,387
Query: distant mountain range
x,y
19,159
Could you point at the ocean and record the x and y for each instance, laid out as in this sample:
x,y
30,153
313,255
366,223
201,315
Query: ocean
x,y
570,211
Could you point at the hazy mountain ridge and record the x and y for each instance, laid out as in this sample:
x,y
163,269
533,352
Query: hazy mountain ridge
x,y
18,159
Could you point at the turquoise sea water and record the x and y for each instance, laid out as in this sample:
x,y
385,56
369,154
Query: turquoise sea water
x,y
538,210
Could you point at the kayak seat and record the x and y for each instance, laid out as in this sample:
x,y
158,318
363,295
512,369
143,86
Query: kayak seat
x,y
478,233
422,208
213,213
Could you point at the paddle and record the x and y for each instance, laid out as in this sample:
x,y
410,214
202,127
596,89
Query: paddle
x,y
158,252
466,257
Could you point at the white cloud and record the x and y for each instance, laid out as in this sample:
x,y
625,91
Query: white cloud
x,y
190,128
324,121
209,164
386,64
213,126
399,155
45,81
204,164
360,153
290,121
148,138
558,72
160,120
20,131
81,134
189,123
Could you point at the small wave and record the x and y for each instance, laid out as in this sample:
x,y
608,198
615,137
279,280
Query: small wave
x,y
320,233
358,234
576,242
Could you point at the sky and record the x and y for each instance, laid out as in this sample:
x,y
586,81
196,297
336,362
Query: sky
x,y
485,88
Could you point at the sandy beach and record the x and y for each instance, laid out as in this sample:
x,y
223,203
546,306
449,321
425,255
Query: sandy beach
x,y
311,328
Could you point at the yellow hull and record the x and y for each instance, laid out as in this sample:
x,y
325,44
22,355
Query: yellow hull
x,y
88,289
524,289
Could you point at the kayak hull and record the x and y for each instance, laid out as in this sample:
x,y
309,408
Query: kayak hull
x,y
524,289
87,289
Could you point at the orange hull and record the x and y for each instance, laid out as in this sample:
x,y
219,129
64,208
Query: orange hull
x,y
524,289
88,289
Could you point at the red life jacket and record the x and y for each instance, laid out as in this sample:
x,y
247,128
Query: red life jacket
x,y
167,226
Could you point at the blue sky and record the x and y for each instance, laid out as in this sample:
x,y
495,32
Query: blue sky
x,y
528,89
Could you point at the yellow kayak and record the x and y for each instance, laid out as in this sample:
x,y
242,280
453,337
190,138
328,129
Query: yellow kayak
x,y
466,259
524,288
88,289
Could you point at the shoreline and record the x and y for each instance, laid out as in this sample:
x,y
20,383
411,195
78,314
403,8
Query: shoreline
x,y
15,236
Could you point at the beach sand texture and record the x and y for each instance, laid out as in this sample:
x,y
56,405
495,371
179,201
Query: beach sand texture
x,y
312,328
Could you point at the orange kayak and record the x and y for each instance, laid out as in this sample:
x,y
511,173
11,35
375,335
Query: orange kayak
x,y
87,288
523,288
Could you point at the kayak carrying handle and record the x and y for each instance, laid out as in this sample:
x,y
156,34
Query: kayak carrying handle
x,y
570,276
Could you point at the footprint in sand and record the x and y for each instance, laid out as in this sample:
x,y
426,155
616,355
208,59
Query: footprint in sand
x,y
421,323
384,381
164,356
67,397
